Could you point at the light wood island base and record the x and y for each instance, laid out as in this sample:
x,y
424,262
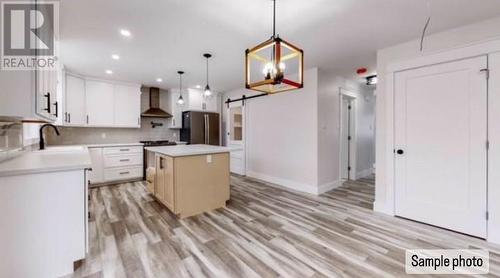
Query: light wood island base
x,y
190,185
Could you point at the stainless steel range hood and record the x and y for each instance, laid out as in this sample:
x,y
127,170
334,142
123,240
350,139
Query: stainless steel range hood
x,y
154,110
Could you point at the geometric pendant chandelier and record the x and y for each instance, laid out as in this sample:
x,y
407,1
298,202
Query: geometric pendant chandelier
x,y
275,65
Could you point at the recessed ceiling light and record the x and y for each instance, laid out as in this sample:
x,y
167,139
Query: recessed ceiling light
x,y
109,72
198,86
125,33
159,80
115,56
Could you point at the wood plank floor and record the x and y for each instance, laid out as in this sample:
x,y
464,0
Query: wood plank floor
x,y
264,232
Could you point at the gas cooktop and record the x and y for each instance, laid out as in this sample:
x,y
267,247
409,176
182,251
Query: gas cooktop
x,y
158,143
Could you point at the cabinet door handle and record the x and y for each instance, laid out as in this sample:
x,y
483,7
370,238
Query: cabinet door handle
x,y
87,119
69,117
65,117
124,160
124,173
124,150
56,104
161,162
47,95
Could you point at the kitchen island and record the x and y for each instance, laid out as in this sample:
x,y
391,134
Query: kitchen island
x,y
191,179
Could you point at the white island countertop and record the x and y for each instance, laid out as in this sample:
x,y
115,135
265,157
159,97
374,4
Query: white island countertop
x,y
188,150
50,160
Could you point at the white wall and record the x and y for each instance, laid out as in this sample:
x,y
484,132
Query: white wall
x,y
281,136
329,128
434,44
292,138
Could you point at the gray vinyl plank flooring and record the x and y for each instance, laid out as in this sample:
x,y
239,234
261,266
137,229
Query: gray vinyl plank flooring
x,y
265,231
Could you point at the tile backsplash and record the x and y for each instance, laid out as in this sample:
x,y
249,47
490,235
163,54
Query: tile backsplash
x,y
91,135
11,139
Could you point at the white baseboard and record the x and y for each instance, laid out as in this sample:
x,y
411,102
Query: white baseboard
x,y
296,186
364,173
293,185
328,186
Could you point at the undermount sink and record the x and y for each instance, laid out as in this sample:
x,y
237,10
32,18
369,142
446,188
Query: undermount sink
x,y
63,149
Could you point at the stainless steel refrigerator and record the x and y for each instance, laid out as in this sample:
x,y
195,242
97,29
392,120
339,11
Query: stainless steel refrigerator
x,y
200,128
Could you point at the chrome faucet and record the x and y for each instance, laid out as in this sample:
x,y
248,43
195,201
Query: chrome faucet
x,y
42,141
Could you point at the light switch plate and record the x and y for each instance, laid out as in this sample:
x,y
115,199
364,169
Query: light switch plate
x,y
209,158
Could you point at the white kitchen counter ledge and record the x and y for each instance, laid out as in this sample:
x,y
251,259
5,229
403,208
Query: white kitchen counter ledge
x,y
189,150
53,159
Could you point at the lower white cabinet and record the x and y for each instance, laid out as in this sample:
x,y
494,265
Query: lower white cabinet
x,y
96,175
116,163
123,173
44,227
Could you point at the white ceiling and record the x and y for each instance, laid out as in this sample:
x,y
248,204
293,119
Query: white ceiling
x,y
168,35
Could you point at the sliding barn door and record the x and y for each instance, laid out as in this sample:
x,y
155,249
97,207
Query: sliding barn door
x,y
440,145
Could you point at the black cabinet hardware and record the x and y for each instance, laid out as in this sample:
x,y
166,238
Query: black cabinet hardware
x,y
56,104
400,151
47,95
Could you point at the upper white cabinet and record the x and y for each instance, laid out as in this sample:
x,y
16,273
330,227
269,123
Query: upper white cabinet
x,y
100,103
30,95
127,106
47,105
75,112
197,102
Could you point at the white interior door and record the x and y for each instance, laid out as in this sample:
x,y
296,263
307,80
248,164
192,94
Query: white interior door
x,y
236,137
440,145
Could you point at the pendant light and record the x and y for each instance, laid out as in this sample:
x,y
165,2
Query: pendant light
x,y
180,100
274,65
207,93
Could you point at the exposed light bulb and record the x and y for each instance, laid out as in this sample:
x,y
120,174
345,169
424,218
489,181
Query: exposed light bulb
x,y
207,92
180,100
282,66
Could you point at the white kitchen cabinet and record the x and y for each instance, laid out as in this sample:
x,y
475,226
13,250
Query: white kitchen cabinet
x,y
45,225
75,111
116,163
96,175
100,103
46,104
193,101
175,110
127,107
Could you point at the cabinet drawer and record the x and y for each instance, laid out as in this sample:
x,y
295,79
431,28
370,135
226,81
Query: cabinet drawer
x,y
114,174
122,160
123,150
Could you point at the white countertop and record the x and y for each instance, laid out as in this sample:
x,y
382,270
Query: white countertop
x,y
106,145
188,150
50,160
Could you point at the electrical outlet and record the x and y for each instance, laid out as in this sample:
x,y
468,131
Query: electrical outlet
x,y
209,158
